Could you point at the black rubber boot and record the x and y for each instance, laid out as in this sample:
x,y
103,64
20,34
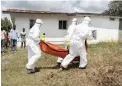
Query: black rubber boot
x,y
82,67
58,65
30,71
63,68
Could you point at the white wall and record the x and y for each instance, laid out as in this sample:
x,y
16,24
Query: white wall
x,y
50,23
105,35
106,29
105,22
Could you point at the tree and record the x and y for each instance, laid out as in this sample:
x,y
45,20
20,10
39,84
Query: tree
x,y
6,24
115,8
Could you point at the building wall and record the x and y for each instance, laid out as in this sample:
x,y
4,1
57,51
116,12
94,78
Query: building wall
x,y
100,22
104,35
105,22
106,29
50,24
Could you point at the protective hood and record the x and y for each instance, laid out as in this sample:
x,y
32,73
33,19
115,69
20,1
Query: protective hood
x,y
86,20
74,21
34,32
39,21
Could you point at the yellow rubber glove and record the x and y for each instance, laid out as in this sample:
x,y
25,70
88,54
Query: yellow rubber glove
x,y
68,43
42,37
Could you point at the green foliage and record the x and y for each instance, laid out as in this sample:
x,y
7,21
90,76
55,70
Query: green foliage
x,y
6,24
115,8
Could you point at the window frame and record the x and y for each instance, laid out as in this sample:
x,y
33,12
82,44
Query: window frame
x,y
63,25
112,19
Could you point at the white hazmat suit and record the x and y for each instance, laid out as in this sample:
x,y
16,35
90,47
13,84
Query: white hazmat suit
x,y
34,51
77,44
68,36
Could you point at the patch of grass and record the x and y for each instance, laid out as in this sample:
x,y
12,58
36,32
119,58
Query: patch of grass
x,y
104,69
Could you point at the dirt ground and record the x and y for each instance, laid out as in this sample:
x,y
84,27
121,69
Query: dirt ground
x,y
104,69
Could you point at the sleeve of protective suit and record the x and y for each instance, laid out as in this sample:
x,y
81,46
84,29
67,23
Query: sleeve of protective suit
x,y
83,33
89,36
35,34
69,32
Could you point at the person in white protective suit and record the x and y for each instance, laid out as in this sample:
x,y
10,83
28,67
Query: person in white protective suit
x,y
67,37
34,51
77,44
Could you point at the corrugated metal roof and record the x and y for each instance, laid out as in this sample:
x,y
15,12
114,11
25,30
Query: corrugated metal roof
x,y
29,11
49,12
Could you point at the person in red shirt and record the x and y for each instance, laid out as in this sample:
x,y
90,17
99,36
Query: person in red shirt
x,y
6,41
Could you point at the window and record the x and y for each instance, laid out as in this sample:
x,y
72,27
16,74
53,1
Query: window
x,y
32,22
112,19
62,24
94,34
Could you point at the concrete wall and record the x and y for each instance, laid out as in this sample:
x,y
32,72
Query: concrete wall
x,y
50,26
105,35
106,29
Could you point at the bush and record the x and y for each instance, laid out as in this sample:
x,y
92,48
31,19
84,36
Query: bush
x,y
6,24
